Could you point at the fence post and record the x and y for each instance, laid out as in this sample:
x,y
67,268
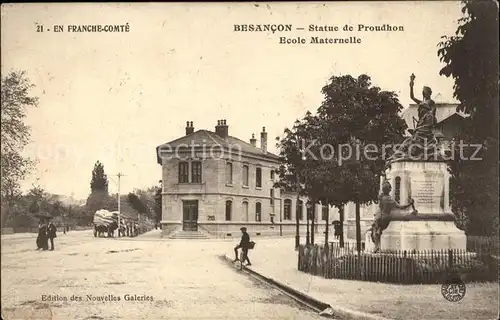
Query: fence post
x,y
450,259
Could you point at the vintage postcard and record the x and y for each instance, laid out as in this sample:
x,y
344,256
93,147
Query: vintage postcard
x,y
239,160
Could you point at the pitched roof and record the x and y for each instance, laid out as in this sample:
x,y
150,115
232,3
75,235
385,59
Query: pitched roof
x,y
209,139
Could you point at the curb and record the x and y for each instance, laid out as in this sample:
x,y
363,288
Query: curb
x,y
324,309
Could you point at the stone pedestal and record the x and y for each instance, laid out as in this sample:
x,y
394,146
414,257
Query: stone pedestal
x,y
422,235
433,227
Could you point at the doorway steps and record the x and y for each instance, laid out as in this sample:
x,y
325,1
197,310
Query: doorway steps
x,y
181,234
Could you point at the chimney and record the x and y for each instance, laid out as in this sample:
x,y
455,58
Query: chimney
x,y
253,141
217,127
222,128
263,140
189,127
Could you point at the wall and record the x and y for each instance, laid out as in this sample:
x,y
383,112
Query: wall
x,y
232,230
213,192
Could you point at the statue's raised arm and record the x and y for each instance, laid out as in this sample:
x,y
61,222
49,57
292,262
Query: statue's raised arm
x,y
422,144
412,94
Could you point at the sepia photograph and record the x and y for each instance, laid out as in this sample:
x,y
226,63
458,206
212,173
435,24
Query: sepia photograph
x,y
250,160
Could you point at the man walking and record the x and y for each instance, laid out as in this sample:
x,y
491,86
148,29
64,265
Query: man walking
x,y
244,245
51,232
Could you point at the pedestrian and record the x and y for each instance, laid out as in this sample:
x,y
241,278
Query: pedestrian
x,y
41,239
337,229
244,246
51,232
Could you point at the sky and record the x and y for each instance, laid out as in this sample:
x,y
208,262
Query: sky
x,y
114,97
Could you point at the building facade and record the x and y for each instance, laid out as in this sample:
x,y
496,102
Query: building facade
x,y
216,183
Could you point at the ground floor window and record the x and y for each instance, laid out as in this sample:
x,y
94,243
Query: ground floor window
x,y
324,212
299,210
229,208
258,212
245,210
287,208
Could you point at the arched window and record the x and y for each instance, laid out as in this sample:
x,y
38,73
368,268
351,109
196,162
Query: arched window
x,y
299,210
258,212
287,208
229,209
245,210
397,189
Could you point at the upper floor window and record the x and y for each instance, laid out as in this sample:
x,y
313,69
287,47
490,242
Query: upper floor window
x,y
196,172
229,208
258,212
271,194
258,177
183,172
229,173
245,175
287,208
272,175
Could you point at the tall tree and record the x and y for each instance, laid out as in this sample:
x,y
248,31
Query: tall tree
x,y
99,197
99,180
471,58
359,120
15,135
343,145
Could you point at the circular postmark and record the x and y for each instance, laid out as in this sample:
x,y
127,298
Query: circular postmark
x,y
453,289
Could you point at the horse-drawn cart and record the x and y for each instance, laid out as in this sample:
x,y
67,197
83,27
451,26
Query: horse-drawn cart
x,y
105,222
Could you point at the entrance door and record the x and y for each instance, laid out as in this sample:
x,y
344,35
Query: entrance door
x,y
190,215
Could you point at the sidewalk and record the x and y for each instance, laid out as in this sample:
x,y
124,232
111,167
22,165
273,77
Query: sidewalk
x,y
278,260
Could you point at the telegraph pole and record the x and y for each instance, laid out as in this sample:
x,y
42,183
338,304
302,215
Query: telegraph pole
x,y
119,175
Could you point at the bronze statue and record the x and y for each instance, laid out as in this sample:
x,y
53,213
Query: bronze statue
x,y
387,207
422,144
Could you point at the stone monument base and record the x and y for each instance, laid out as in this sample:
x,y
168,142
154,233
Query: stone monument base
x,y
422,235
